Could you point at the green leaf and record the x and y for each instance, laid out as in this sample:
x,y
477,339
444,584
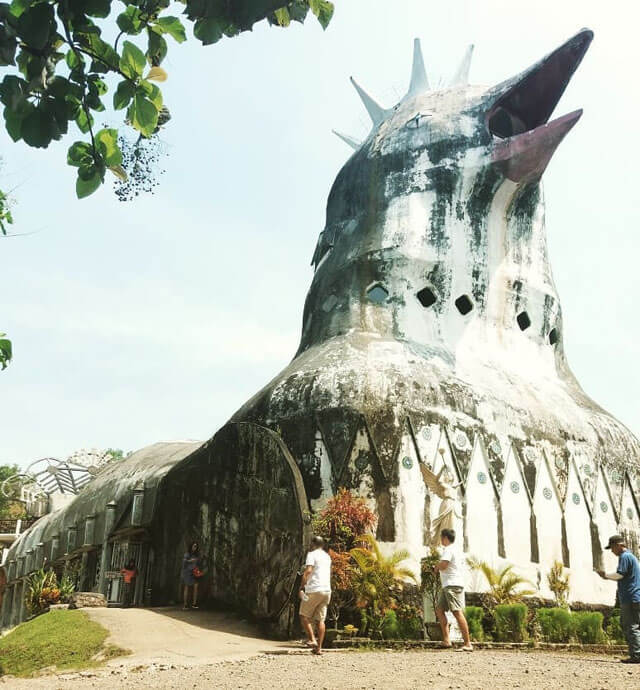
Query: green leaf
x,y
37,128
5,351
323,11
107,141
123,95
12,90
133,61
97,8
282,16
74,60
107,58
36,24
14,116
8,46
157,49
208,30
88,181
80,154
152,92
298,10
84,123
18,7
130,21
172,26
143,114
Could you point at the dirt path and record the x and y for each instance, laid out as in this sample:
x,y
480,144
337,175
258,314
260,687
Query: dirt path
x,y
173,636
442,670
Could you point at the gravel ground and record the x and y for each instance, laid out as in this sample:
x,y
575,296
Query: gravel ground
x,y
488,669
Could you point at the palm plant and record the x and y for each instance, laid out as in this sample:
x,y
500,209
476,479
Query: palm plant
x,y
377,580
559,584
505,585
41,590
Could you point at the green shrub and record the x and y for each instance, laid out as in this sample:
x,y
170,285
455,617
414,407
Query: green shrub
x,y
474,616
587,626
556,624
390,630
614,629
510,622
409,622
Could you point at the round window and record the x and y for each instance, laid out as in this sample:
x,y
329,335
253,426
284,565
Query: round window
x,y
515,487
426,433
407,462
482,477
575,498
604,507
495,447
546,492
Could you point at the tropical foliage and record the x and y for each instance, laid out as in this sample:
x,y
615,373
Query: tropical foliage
x,y
5,350
344,519
42,590
559,584
378,582
505,585
430,579
61,57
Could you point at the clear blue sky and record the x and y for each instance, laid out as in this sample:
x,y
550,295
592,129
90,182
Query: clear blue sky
x,y
156,320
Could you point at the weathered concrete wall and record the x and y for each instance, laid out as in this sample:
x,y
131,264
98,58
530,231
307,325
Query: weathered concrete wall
x,y
241,497
433,324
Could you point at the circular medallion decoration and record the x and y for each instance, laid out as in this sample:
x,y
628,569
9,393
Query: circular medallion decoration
x,y
407,462
530,454
616,477
495,447
603,507
587,470
426,433
575,498
559,462
461,440
630,513
482,477
515,487
546,492
362,461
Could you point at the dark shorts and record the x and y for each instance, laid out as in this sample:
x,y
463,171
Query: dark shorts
x,y
451,599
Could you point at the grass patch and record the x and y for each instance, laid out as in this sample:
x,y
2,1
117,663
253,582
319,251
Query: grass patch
x,y
64,639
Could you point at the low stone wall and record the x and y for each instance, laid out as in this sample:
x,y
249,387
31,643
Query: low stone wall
x,y
81,600
428,644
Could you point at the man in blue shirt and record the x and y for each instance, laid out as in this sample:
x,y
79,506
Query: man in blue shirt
x,y
628,578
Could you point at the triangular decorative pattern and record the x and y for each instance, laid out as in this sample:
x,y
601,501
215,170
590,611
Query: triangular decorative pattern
x,y
530,457
386,433
615,480
338,427
559,464
496,450
461,441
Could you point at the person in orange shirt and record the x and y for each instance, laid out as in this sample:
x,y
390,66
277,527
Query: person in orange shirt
x,y
129,574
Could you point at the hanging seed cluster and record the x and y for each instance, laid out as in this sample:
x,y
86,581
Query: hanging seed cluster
x,y
142,160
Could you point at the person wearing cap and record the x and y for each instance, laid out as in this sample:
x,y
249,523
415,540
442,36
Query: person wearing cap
x,y
627,576
315,592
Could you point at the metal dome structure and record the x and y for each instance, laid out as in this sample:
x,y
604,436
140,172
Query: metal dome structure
x,y
51,475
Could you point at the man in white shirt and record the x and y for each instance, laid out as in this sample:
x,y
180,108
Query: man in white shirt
x,y
451,567
315,592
